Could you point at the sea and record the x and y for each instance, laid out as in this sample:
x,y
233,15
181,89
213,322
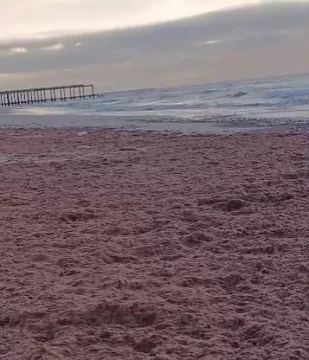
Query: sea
x,y
277,103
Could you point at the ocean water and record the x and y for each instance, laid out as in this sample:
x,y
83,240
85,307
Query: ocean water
x,y
224,107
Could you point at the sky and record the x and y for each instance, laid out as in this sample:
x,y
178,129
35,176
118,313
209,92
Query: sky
x,y
40,18
52,42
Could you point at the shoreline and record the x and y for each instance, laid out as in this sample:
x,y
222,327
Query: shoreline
x,y
119,244
206,125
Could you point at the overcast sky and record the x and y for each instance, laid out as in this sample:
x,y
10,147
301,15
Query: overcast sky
x,y
44,17
47,42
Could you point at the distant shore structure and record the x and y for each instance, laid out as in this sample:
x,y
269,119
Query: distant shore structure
x,y
46,94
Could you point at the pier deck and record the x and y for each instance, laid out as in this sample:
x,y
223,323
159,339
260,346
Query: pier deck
x,y
46,94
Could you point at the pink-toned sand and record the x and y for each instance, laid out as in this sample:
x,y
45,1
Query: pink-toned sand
x,y
143,246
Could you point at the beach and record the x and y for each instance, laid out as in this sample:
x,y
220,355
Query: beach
x,y
140,245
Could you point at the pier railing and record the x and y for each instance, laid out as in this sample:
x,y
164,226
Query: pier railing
x,y
46,94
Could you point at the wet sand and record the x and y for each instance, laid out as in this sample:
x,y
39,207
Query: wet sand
x,y
118,245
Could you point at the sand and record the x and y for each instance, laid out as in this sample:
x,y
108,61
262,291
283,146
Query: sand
x,y
118,245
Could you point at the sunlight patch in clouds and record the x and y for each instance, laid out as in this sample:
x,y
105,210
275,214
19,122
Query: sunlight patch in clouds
x,y
13,51
208,42
18,50
54,47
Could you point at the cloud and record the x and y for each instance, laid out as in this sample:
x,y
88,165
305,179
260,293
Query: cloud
x,y
244,42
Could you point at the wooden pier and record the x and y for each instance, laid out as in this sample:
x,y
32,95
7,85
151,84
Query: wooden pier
x,y
46,94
